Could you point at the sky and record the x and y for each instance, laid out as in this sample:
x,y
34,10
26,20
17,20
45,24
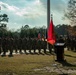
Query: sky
x,y
32,12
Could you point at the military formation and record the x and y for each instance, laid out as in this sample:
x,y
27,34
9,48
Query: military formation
x,y
71,43
22,45
30,45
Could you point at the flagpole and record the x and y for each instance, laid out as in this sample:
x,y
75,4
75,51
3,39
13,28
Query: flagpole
x,y
52,17
48,17
48,13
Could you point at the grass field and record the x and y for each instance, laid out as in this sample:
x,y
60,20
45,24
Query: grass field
x,y
37,64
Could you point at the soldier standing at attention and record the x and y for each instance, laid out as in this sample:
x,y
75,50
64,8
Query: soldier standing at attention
x,y
44,45
34,44
75,44
50,48
20,45
39,45
11,44
30,45
68,43
0,45
24,44
4,46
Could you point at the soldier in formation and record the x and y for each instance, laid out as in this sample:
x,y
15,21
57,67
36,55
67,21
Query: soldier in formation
x,y
71,43
10,44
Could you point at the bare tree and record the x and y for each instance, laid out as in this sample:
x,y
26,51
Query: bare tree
x,y
71,16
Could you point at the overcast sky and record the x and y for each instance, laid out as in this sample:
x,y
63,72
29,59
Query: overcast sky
x,y
32,12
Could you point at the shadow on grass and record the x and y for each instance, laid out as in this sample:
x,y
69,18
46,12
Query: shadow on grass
x,y
70,56
38,53
63,74
65,63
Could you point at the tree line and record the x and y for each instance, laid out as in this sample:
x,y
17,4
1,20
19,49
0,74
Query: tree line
x,y
27,31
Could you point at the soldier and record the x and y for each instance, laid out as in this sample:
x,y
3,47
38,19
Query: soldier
x,y
75,44
50,47
27,44
72,44
24,46
8,43
44,45
20,45
30,45
34,45
11,44
68,43
4,46
0,45
16,44
39,45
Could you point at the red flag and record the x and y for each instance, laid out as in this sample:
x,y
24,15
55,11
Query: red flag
x,y
51,35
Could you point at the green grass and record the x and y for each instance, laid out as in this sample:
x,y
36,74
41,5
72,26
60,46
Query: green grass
x,y
26,64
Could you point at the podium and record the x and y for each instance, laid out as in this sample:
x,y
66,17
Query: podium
x,y
59,50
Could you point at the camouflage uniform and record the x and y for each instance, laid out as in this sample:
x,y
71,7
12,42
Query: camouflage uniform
x,y
4,46
68,43
24,44
0,45
39,45
44,46
20,45
50,47
75,44
30,45
34,45
72,44
16,44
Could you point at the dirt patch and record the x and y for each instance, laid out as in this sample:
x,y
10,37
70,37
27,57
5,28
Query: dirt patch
x,y
57,69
